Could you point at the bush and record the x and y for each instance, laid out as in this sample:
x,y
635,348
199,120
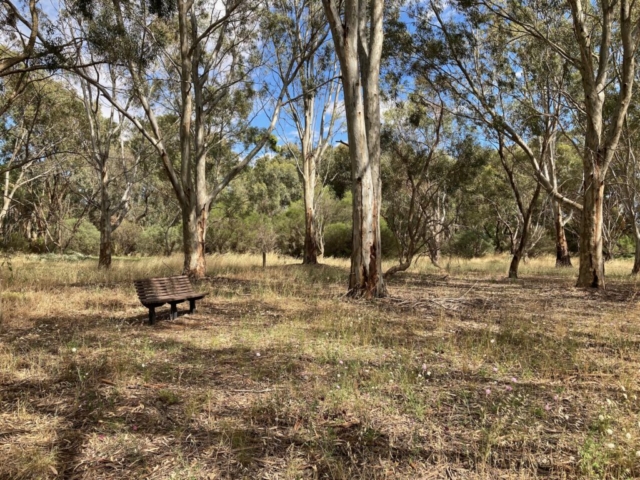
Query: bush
x,y
290,229
16,242
152,240
125,238
389,244
337,240
626,246
469,244
86,238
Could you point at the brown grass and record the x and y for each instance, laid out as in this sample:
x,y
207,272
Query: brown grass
x,y
459,374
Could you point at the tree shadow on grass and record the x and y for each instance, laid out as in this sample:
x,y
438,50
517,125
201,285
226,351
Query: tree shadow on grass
x,y
156,408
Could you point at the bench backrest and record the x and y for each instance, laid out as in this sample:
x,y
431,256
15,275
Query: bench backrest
x,y
153,289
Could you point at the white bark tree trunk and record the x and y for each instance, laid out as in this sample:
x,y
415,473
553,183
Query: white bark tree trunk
x,y
358,41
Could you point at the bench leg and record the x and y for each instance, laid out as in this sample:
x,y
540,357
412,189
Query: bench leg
x,y
174,311
192,306
152,315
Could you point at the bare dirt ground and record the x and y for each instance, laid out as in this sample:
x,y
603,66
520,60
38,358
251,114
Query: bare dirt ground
x,y
459,374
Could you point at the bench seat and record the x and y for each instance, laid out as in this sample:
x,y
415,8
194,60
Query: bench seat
x,y
155,292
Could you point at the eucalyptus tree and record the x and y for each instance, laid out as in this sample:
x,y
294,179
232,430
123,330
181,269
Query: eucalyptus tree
x,y
200,64
271,188
416,170
106,146
357,32
594,40
526,206
41,127
18,43
312,101
626,183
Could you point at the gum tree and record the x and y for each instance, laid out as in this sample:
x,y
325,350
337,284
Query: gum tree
x,y
356,29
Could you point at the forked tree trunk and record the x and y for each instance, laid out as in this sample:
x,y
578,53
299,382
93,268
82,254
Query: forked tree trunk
x,y
520,250
365,278
358,41
591,273
563,257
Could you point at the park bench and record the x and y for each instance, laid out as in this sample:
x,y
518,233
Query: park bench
x,y
155,292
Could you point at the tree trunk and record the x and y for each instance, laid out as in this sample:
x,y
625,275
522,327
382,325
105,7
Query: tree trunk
x,y
591,273
105,222
365,279
434,250
563,258
310,235
264,259
513,266
400,267
359,49
193,235
636,262
521,249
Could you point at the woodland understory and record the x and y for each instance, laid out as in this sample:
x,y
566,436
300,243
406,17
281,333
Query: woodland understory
x,y
460,374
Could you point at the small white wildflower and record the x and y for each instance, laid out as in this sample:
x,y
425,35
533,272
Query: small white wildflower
x,y
625,396
338,375
611,445
601,418
74,349
609,431
142,365
419,375
338,387
628,435
257,354
493,340
623,389
429,374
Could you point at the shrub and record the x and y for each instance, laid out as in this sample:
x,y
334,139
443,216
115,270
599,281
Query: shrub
x,y
337,240
154,240
86,238
125,238
469,244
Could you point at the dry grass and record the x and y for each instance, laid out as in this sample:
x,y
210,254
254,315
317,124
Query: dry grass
x,y
460,374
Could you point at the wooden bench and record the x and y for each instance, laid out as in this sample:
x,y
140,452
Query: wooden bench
x,y
154,292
